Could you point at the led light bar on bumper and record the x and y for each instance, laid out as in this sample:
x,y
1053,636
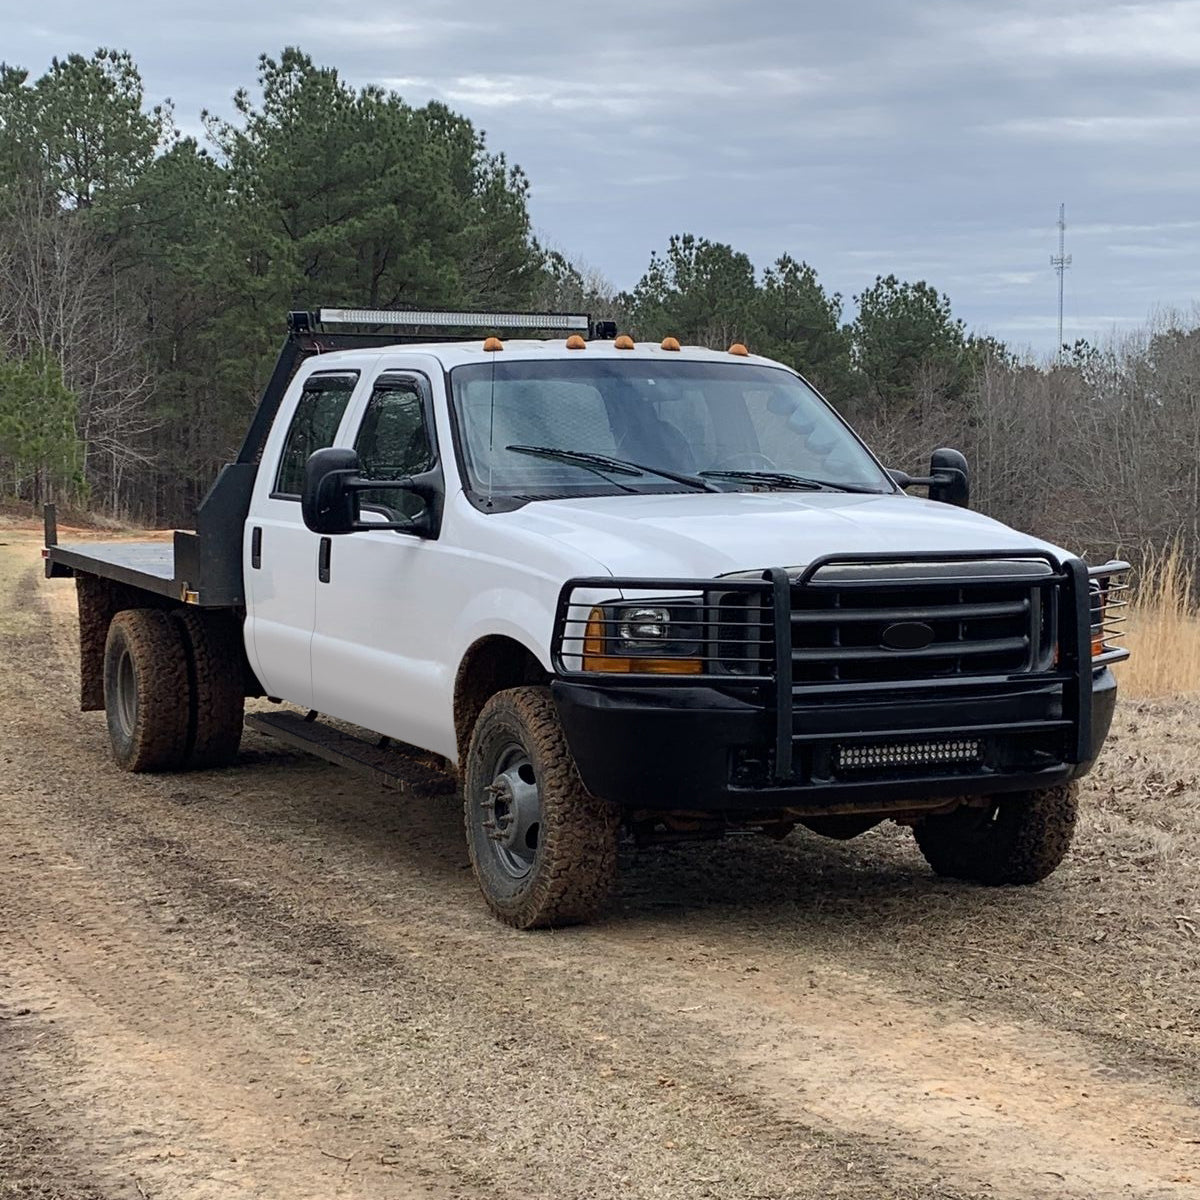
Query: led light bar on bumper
x,y
880,755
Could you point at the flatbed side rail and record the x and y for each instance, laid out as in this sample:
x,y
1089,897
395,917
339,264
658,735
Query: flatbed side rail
x,y
736,633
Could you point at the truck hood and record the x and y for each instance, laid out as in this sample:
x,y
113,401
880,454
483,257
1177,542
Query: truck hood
x,y
710,534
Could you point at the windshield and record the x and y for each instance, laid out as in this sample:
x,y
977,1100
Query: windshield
x,y
727,426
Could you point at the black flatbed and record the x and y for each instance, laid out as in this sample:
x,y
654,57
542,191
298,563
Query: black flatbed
x,y
202,568
148,565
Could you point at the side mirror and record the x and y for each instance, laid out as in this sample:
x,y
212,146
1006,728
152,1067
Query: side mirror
x,y
333,483
327,504
948,481
951,478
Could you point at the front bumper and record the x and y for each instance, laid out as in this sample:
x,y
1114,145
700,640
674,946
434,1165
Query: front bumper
x,y
703,749
846,720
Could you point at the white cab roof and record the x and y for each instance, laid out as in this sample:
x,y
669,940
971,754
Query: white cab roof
x,y
457,354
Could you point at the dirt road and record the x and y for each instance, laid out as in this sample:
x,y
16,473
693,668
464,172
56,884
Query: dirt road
x,y
275,981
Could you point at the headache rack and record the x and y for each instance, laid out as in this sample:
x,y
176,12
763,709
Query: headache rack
x,y
860,628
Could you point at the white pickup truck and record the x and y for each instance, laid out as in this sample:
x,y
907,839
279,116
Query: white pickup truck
x,y
603,586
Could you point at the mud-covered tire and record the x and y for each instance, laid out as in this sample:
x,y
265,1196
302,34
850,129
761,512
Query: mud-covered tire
x,y
146,690
574,856
1019,838
218,698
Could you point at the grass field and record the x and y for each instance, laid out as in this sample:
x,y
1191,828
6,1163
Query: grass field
x,y
1163,632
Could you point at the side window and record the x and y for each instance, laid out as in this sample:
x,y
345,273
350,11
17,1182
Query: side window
x,y
393,442
314,426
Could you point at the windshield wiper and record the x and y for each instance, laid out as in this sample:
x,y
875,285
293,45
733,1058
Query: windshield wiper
x,y
785,480
618,466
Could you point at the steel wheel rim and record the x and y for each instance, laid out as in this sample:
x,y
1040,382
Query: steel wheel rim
x,y
127,704
511,809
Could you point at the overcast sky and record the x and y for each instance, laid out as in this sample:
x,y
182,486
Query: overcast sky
x,y
934,140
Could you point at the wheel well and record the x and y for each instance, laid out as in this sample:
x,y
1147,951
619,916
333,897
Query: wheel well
x,y
491,665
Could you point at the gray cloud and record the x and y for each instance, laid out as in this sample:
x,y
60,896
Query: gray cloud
x,y
935,141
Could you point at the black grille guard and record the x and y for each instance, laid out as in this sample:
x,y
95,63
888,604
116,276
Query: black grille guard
x,y
1088,593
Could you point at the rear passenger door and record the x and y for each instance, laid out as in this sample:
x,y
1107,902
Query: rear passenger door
x,y
282,556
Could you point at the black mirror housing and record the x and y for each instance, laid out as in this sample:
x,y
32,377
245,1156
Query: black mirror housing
x,y
327,504
948,481
333,484
951,478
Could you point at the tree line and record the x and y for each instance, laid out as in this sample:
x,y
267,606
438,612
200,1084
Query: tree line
x,y
144,276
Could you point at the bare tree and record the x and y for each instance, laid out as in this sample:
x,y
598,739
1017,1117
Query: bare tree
x,y
59,292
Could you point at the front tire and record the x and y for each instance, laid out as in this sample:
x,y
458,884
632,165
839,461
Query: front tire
x,y
543,848
1017,838
146,692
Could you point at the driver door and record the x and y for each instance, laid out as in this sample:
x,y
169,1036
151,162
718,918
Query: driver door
x,y
378,652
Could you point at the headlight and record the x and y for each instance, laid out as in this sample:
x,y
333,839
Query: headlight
x,y
638,626
662,639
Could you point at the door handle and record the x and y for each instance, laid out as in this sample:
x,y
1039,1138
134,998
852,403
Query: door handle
x,y
256,547
323,556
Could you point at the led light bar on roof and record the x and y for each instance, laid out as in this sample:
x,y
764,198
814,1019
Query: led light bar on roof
x,y
454,320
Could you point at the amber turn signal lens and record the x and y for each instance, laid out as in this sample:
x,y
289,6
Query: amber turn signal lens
x,y
595,659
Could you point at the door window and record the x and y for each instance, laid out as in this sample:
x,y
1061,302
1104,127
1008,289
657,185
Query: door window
x,y
393,443
314,426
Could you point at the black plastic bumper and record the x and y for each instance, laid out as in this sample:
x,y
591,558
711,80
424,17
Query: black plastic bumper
x,y
701,748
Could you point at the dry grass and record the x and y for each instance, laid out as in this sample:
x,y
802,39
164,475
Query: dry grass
x,y
1163,631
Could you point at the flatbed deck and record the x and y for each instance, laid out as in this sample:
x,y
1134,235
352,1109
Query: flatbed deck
x,y
182,568
146,565
143,564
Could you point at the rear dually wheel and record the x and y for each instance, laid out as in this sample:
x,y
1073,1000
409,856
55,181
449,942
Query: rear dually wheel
x,y
146,691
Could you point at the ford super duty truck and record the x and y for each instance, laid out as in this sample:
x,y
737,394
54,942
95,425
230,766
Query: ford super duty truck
x,y
604,586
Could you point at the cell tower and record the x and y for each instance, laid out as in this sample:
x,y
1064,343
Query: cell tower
x,y
1060,262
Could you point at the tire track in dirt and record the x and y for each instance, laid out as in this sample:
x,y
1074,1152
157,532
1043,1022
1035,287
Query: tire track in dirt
x,y
767,1073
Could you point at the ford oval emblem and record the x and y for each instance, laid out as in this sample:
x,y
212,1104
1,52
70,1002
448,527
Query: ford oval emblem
x,y
907,635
